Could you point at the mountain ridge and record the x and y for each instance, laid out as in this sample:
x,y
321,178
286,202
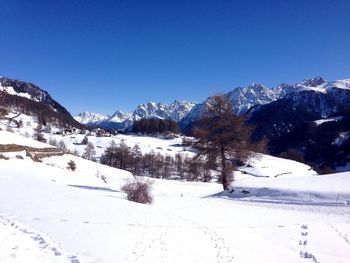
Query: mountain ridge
x,y
123,120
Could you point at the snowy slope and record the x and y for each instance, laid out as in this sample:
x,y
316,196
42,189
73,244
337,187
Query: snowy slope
x,y
12,138
272,167
57,215
64,216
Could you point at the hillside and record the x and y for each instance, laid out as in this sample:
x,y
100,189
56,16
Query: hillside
x,y
57,215
27,98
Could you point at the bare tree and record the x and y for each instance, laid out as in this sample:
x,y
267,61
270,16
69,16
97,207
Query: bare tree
x,y
85,140
136,159
167,165
179,163
62,146
123,155
89,152
223,137
110,155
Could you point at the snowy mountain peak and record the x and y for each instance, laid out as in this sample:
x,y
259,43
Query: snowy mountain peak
x,y
312,82
90,117
243,98
316,93
340,84
175,111
121,120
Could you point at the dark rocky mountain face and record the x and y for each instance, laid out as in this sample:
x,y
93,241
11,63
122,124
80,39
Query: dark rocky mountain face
x,y
35,93
32,100
308,122
321,145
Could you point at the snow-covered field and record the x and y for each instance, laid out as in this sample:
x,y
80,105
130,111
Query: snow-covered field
x,y
51,214
12,138
146,144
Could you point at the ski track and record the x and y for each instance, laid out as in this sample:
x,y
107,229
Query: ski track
x,y
38,240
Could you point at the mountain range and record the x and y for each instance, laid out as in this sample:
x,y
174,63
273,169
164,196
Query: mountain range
x,y
310,118
316,94
124,120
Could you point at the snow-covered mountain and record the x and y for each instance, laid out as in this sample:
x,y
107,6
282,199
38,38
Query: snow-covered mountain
x,y
32,100
299,121
90,117
243,98
122,120
23,89
315,93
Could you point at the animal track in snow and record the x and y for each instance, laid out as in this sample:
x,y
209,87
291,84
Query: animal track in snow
x,y
303,243
38,241
345,237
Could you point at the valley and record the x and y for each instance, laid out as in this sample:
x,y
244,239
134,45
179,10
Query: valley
x,y
52,214
56,206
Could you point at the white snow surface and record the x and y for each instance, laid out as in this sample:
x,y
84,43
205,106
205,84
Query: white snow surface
x,y
267,166
11,91
146,143
319,122
12,138
56,215
51,214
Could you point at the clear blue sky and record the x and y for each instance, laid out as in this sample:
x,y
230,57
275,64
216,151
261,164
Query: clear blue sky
x,y
106,55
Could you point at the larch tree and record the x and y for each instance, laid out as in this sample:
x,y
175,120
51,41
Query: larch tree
x,y
89,152
223,137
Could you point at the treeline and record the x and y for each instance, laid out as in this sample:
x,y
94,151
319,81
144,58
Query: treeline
x,y
153,125
156,165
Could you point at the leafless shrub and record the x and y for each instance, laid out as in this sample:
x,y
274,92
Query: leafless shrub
x,y
3,112
3,157
62,146
71,165
138,190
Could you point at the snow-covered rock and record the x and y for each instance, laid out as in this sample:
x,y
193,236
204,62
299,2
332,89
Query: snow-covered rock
x,y
90,117
246,97
122,120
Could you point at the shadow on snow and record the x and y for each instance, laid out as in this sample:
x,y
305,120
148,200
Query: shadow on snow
x,y
86,187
